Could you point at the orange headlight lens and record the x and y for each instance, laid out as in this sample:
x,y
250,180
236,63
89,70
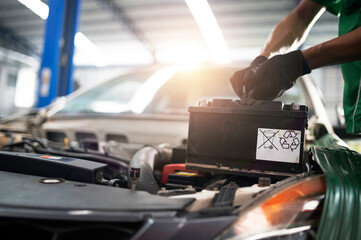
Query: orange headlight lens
x,y
297,206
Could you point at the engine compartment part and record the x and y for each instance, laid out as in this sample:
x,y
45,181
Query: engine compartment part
x,y
158,170
146,163
174,192
225,196
36,145
170,169
44,229
74,200
205,199
266,138
183,179
134,174
52,166
264,182
181,201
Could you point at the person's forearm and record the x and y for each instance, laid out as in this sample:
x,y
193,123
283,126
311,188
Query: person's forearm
x,y
291,32
343,49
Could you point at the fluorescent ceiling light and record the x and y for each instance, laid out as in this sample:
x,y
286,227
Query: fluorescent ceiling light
x,y
37,6
82,43
89,49
210,29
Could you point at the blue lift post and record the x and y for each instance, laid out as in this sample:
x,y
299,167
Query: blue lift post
x,y
66,83
55,78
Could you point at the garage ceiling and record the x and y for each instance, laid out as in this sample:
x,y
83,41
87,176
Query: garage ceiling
x,y
133,32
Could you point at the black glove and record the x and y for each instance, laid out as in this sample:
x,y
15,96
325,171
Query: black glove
x,y
273,77
237,80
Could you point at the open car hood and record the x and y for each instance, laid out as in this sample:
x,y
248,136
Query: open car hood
x,y
342,208
79,201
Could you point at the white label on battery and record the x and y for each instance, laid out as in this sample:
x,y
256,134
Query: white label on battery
x,y
278,145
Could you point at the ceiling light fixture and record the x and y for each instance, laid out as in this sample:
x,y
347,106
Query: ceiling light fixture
x,y
210,29
82,43
37,6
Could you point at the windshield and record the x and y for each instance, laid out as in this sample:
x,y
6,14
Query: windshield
x,y
167,91
109,97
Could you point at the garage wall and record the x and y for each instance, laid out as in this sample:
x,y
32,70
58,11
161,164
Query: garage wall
x,y
11,64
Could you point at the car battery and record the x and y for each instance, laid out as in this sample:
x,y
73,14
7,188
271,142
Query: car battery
x,y
229,137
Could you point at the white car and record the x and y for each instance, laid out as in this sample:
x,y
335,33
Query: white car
x,y
150,106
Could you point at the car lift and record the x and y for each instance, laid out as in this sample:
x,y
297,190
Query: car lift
x,y
55,75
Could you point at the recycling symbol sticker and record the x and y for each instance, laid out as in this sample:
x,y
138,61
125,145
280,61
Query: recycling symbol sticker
x,y
289,140
280,145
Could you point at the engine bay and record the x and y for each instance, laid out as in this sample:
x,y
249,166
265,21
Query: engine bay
x,y
205,173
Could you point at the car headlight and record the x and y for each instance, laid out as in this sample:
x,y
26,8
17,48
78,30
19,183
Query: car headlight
x,y
292,209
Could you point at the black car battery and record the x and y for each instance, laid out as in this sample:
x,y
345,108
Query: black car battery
x,y
229,137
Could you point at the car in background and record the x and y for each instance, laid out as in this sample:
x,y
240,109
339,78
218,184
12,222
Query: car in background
x,y
151,106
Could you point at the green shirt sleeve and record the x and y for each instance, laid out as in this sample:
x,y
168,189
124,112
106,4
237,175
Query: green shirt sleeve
x,y
333,6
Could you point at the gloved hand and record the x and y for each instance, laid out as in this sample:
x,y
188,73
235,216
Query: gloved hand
x,y
273,77
237,80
